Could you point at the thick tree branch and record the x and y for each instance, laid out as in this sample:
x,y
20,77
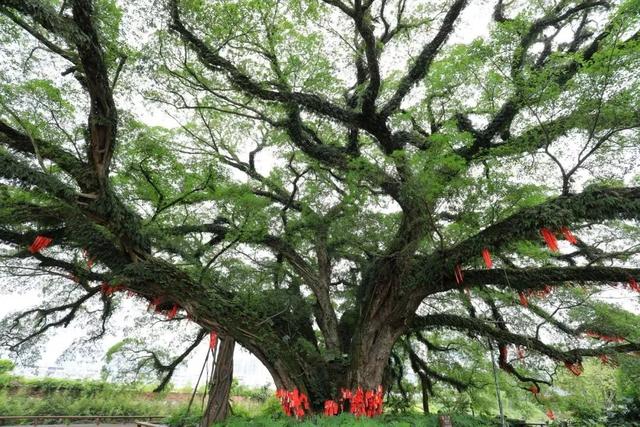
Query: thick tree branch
x,y
420,67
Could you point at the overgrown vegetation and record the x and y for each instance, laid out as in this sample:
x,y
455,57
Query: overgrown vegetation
x,y
602,396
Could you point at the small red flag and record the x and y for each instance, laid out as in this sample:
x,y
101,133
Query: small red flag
x,y
568,235
486,255
550,238
523,299
213,340
534,389
633,284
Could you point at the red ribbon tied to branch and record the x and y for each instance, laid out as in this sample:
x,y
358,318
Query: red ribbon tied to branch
x,y
213,340
40,243
172,313
486,255
550,238
524,301
568,235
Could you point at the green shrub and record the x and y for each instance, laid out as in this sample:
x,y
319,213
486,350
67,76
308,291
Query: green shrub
x,y
180,417
6,366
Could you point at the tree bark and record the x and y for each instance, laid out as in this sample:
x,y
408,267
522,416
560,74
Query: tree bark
x,y
218,406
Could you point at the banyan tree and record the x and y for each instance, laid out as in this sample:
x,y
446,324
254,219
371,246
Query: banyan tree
x,y
331,183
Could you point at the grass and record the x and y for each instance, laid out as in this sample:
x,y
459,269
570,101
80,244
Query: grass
x,y
350,420
251,407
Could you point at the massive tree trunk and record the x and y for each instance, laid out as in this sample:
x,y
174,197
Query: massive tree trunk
x,y
218,407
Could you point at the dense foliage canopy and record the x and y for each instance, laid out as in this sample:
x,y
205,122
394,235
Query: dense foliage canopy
x,y
341,186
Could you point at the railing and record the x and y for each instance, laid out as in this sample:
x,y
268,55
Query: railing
x,y
66,419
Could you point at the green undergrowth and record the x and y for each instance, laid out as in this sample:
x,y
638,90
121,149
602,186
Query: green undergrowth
x,y
350,420
55,396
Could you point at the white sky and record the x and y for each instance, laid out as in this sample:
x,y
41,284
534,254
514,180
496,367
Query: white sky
x,y
246,367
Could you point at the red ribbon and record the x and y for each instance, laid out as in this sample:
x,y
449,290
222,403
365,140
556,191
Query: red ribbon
x,y
172,313
486,255
40,243
523,299
213,340
330,408
550,238
568,235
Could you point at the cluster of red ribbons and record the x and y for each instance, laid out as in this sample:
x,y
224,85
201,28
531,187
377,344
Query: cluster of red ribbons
x,y
330,408
40,243
606,338
550,237
294,403
213,340
367,403
575,368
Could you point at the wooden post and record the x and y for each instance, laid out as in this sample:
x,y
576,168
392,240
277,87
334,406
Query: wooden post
x,y
218,407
